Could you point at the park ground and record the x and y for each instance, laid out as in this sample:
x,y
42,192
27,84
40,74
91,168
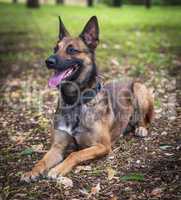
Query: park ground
x,y
135,43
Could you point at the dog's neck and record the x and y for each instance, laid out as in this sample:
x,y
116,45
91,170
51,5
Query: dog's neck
x,y
81,91
77,94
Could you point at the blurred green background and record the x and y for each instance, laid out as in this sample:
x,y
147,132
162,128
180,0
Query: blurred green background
x,y
130,35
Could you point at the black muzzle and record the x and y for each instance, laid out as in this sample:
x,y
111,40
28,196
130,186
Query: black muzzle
x,y
57,63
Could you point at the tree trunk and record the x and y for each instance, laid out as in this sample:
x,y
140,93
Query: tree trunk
x,y
33,4
89,3
117,3
59,1
148,3
15,1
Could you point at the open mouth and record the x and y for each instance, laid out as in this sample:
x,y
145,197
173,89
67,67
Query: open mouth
x,y
60,76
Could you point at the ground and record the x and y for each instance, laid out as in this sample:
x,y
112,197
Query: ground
x,y
135,43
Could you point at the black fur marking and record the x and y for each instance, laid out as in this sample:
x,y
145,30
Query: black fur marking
x,y
72,99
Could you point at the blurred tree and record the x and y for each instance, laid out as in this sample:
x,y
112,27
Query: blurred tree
x,y
148,3
90,3
137,2
172,2
117,3
33,3
107,2
156,2
60,1
15,1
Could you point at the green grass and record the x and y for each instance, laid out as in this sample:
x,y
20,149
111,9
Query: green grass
x,y
133,35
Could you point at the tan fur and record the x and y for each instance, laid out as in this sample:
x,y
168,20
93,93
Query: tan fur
x,y
105,132
146,103
101,121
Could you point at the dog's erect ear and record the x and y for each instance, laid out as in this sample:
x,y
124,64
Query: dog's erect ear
x,y
62,30
90,33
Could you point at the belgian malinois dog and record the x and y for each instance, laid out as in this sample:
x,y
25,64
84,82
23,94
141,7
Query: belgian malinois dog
x,y
89,114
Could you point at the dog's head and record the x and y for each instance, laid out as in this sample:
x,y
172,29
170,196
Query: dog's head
x,y
73,58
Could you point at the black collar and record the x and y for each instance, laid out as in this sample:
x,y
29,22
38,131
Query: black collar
x,y
85,96
89,94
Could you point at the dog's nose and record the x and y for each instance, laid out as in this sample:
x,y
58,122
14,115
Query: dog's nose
x,y
51,61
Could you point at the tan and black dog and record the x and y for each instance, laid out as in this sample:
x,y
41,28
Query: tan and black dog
x,y
89,114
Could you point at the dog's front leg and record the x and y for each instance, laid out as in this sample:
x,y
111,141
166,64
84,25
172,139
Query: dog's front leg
x,y
51,158
77,157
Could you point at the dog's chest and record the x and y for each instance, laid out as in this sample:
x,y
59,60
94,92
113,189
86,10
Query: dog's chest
x,y
79,119
66,119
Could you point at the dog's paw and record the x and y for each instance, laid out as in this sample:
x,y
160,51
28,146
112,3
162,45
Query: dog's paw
x,y
141,132
35,173
53,173
29,176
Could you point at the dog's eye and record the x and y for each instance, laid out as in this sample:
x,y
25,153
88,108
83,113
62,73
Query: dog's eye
x,y
71,50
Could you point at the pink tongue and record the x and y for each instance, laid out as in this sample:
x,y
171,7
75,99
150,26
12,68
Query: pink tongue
x,y
58,77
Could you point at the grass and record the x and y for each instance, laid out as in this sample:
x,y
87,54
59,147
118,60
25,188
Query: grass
x,y
133,35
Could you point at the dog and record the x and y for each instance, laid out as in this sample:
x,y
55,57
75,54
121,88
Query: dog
x,y
90,115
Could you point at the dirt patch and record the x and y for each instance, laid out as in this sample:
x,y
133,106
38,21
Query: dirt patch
x,y
137,168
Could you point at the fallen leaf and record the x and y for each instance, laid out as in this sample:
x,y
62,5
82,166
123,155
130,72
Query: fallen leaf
x,y
165,147
156,192
111,173
169,154
83,168
138,161
178,147
18,139
28,151
114,198
172,118
66,182
133,177
95,190
164,133
38,148
84,191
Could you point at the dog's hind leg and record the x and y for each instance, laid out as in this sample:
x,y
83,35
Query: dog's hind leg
x,y
146,108
51,158
142,129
